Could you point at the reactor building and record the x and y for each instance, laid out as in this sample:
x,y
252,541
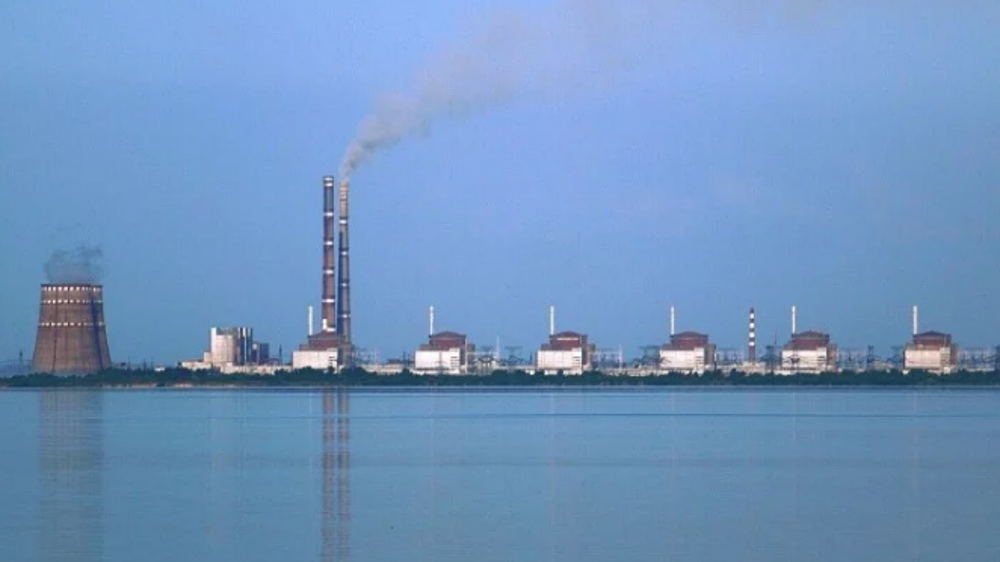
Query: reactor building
x,y
931,351
808,352
567,352
446,353
688,352
72,337
330,348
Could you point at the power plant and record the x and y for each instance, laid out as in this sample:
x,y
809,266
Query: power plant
x,y
72,337
331,347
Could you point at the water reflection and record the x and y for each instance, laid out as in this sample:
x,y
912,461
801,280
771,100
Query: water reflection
x,y
71,449
336,486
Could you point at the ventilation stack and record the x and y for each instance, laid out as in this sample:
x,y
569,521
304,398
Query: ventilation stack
x,y
72,339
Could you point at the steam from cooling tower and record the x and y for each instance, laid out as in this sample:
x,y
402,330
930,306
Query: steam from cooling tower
x,y
573,42
80,265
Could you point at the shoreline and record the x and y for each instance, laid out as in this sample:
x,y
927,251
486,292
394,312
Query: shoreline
x,y
359,378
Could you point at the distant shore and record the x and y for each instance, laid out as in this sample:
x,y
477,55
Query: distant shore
x,y
182,378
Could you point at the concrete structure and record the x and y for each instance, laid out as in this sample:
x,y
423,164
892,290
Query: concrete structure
x,y
931,351
330,347
809,352
344,280
248,369
444,353
566,352
229,346
319,359
233,350
687,352
72,336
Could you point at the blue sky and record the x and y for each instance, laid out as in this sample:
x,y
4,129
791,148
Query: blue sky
x,y
844,158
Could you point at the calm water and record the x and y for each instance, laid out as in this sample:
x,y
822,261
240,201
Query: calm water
x,y
499,475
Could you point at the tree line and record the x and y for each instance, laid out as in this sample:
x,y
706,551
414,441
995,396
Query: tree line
x,y
359,377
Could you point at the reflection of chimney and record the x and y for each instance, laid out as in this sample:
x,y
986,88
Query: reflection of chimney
x,y
344,317
336,479
328,310
753,336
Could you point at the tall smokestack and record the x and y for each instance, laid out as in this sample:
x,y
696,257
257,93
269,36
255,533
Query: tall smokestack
x,y
672,321
916,320
432,320
794,319
344,318
753,336
328,310
552,320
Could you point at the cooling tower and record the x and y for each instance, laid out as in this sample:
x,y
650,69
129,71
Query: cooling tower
x,y
71,334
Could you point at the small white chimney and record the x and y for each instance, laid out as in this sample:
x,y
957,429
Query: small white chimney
x,y
916,320
311,321
552,320
673,319
432,320
794,319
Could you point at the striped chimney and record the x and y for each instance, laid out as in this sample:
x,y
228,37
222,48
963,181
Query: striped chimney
x,y
328,310
344,318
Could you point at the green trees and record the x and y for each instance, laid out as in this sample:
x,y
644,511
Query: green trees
x,y
359,377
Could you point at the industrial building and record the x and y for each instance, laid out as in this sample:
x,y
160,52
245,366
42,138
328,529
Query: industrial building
x,y
72,336
233,350
229,346
808,352
567,352
330,348
687,352
929,351
446,353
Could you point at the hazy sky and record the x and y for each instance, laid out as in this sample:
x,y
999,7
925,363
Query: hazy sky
x,y
840,156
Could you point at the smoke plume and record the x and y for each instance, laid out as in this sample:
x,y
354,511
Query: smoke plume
x,y
79,265
571,45
575,41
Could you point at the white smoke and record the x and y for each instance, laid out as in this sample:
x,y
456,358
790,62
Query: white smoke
x,y
79,265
